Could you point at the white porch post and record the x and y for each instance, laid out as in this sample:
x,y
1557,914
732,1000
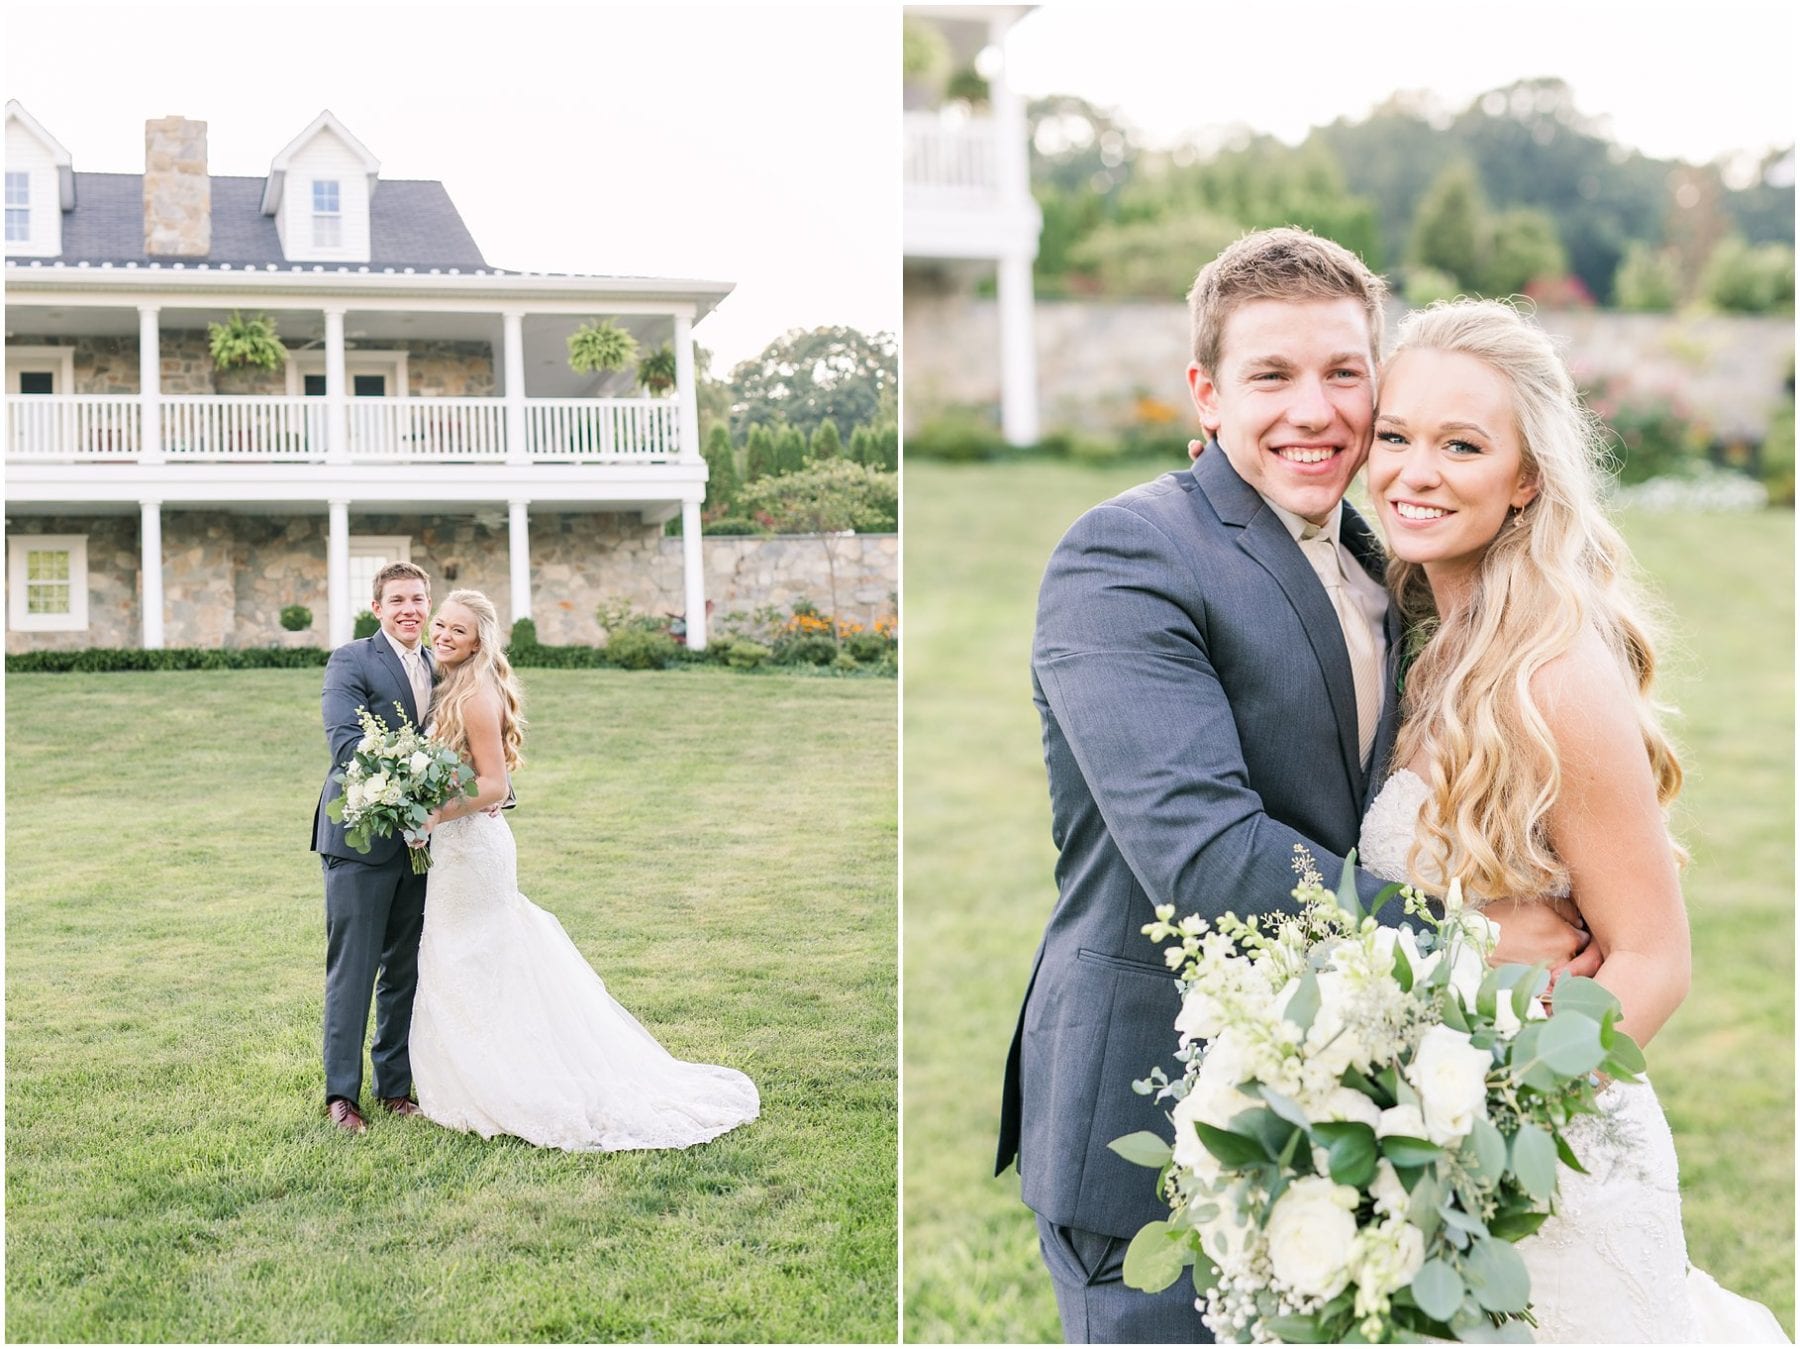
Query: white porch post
x,y
150,385
341,622
686,390
512,322
150,542
337,399
1018,353
518,545
693,563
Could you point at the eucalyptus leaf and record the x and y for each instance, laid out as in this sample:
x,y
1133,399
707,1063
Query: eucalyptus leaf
x,y
1304,1005
1489,1147
1570,1044
1567,1153
1497,1277
1533,1161
1267,1128
1516,1226
1155,1258
1285,1106
1403,971
1347,897
1454,1016
1143,1148
1527,989
1404,1151
1298,1330
1583,996
1438,1289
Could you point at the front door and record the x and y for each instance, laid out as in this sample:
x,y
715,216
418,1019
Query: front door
x,y
371,428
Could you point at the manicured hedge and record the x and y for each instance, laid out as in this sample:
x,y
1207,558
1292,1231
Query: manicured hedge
x,y
105,660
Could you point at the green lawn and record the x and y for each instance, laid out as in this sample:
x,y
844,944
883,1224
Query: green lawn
x,y
722,848
979,885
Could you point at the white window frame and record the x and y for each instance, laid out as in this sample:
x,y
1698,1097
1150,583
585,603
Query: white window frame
x,y
388,547
22,178
334,219
367,361
17,617
59,361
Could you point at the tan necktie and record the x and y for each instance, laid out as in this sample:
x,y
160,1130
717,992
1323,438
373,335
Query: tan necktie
x,y
420,679
1359,641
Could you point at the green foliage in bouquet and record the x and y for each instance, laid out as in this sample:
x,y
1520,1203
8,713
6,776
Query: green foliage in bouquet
x,y
1368,1120
393,782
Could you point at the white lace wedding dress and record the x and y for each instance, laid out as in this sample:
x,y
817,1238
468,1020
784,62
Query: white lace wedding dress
x,y
1611,1267
514,1033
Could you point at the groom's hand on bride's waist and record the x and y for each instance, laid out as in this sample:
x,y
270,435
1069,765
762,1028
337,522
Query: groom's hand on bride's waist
x,y
1546,930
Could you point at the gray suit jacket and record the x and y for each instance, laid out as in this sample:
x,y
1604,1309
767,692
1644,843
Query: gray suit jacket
x,y
1199,720
363,673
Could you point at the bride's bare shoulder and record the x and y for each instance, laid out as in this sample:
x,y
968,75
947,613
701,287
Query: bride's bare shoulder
x,y
1584,694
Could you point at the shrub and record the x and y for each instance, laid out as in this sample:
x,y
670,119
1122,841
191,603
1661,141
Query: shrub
x,y
636,648
524,633
1749,279
367,625
743,654
111,660
868,647
1426,285
956,437
296,618
734,524
844,663
806,650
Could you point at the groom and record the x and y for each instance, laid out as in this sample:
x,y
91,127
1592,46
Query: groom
x,y
1212,668
374,905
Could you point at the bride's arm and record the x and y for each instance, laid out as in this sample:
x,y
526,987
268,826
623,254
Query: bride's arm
x,y
481,721
1609,831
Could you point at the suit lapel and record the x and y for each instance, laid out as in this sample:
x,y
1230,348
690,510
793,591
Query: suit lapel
x,y
1263,536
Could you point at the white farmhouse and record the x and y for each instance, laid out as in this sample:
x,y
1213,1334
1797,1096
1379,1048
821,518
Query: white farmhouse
x,y
427,410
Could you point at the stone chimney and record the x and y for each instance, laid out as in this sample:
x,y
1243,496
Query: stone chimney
x,y
177,192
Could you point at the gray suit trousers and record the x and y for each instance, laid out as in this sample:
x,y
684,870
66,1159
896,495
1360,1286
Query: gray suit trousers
x,y
1088,1269
373,918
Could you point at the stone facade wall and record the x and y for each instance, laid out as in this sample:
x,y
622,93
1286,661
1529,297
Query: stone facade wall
x,y
109,365
177,191
1102,363
227,577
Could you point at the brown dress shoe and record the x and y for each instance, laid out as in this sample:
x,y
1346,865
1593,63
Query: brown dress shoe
x,y
344,1114
400,1105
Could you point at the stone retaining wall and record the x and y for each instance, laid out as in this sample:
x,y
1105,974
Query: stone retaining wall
x,y
227,577
1103,364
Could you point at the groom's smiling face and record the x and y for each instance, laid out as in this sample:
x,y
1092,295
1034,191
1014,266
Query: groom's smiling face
x,y
402,609
1292,403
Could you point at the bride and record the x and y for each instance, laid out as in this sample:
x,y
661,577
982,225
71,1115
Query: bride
x,y
1531,762
512,1031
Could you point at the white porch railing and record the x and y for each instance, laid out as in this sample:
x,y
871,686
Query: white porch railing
x,y
952,158
73,426
638,429
262,429
427,428
201,426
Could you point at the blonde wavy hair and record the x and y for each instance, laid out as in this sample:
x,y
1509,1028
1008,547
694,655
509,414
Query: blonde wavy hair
x,y
1557,567
487,668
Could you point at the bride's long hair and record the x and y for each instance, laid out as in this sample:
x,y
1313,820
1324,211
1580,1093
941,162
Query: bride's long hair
x,y
487,668
1556,567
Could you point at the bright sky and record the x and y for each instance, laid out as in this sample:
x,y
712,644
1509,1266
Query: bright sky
x,y
1691,81
752,145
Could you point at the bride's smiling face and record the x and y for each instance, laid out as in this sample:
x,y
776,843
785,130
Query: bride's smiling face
x,y
454,635
1448,464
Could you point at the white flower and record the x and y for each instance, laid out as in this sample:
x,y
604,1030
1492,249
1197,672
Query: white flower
x,y
366,744
1450,1075
1346,1103
353,795
1190,1153
1404,1120
1383,1259
420,761
1389,1194
390,796
374,787
1310,1234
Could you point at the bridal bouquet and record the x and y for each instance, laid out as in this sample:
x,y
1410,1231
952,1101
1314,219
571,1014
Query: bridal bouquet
x,y
1374,1118
393,781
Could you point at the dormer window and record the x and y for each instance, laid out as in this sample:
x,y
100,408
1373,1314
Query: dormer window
x,y
18,208
327,214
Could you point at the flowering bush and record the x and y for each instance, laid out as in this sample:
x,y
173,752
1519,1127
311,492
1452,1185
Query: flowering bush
x,y
1368,1119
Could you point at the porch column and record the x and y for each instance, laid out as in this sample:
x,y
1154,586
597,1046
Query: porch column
x,y
693,563
337,398
518,547
1018,353
512,352
686,390
151,568
149,385
341,621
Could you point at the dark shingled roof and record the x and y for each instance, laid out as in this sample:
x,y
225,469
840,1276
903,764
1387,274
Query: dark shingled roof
x,y
411,224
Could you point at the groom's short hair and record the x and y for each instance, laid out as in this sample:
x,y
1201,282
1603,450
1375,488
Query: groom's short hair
x,y
399,571
1278,264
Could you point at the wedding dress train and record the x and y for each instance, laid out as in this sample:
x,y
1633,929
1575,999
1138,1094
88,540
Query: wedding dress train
x,y
1611,1266
514,1033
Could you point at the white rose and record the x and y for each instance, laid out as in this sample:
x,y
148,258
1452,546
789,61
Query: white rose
x,y
1310,1234
420,761
353,796
1389,1194
391,796
1346,1103
374,787
1450,1075
1404,1120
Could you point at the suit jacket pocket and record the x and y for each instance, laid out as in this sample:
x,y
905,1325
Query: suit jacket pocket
x,y
1124,963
